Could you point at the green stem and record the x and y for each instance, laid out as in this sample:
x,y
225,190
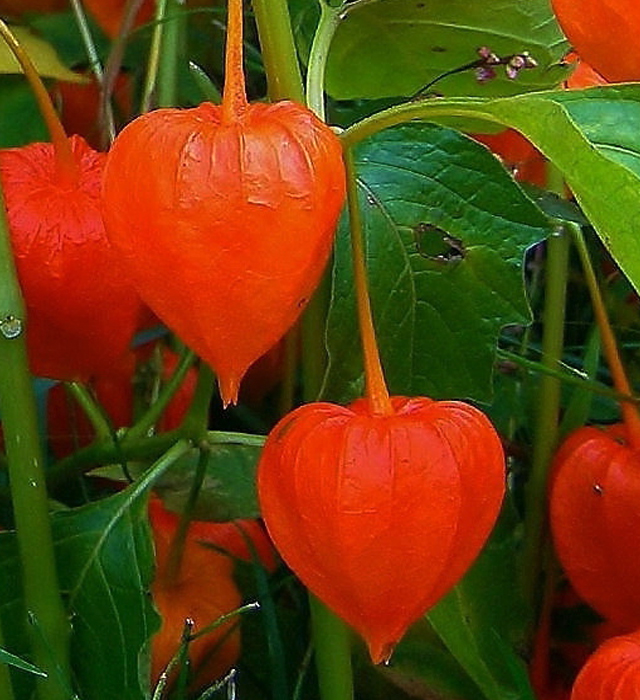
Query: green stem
x,y
105,117
170,52
146,422
332,650
153,62
98,419
176,548
48,626
330,18
467,107
609,345
547,418
196,421
278,50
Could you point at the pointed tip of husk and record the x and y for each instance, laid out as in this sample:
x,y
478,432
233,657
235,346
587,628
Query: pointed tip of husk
x,y
381,651
229,386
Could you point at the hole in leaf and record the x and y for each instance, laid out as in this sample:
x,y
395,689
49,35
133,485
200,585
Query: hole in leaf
x,y
436,244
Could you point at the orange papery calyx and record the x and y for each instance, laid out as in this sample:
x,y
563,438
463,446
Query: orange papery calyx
x,y
380,507
81,310
225,216
612,671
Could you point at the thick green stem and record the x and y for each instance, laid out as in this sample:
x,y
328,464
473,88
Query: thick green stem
x,y
547,418
278,50
332,650
48,626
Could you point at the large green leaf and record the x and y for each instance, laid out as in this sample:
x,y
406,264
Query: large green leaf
x,y
105,562
446,230
394,47
592,136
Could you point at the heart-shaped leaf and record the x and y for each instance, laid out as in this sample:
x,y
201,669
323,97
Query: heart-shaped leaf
x,y
446,231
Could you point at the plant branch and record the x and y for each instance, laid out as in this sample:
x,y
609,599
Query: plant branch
x,y
48,626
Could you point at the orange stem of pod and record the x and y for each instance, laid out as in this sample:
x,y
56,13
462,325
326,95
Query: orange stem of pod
x,y
376,386
234,98
65,162
609,346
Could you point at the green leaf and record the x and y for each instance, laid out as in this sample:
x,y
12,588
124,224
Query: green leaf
x,y
41,53
592,136
483,620
7,657
229,487
396,47
446,229
105,560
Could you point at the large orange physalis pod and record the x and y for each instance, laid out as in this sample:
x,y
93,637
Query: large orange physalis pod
x,y
225,217
81,310
380,515
612,672
595,520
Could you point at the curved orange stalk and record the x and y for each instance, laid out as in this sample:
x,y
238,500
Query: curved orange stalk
x,y
65,162
610,347
376,386
234,99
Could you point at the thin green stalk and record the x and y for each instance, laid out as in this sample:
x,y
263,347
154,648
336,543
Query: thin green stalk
x,y
114,60
146,422
94,412
153,63
332,650
106,118
330,18
48,626
170,53
278,50
547,419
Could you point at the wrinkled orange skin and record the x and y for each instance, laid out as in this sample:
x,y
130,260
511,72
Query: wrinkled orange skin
x,y
605,34
595,520
81,309
612,672
203,591
225,227
380,515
